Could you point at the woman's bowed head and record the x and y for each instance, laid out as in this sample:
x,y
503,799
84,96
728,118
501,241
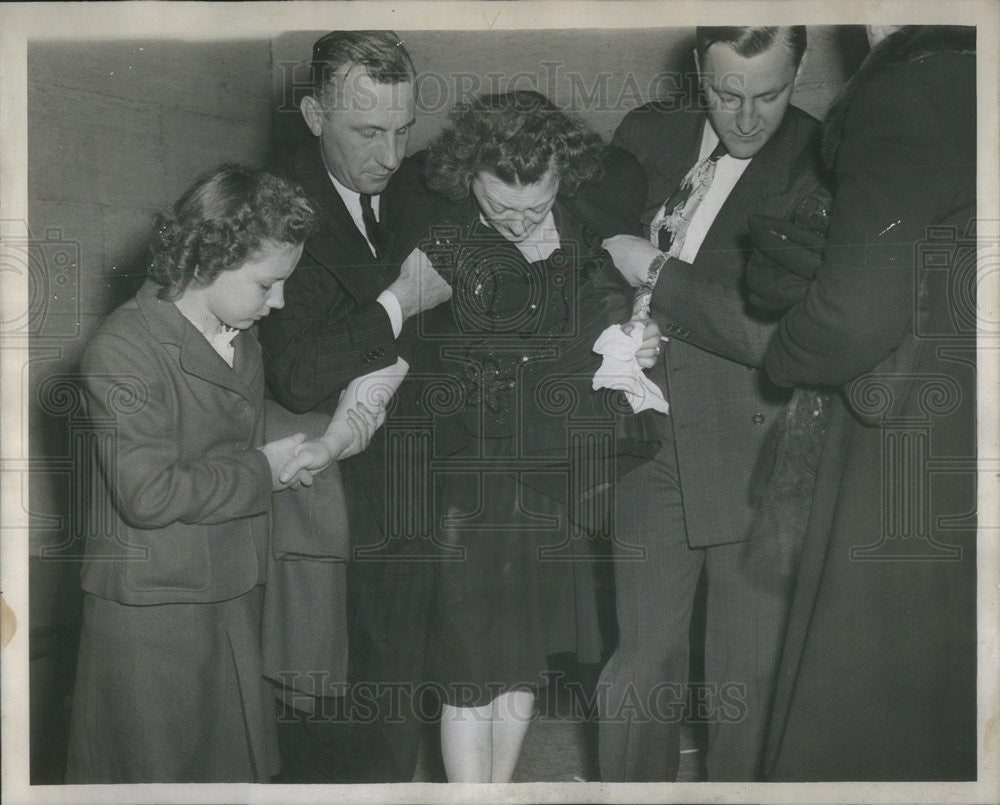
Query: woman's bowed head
x,y
515,152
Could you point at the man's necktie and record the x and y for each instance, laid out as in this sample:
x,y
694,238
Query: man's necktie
x,y
670,225
376,233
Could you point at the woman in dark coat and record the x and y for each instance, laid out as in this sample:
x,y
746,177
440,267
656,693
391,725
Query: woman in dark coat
x,y
878,676
532,290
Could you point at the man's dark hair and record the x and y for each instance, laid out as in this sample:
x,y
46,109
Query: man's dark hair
x,y
380,54
749,42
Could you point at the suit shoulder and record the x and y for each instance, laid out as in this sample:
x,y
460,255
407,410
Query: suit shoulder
x,y
125,320
123,333
805,126
648,116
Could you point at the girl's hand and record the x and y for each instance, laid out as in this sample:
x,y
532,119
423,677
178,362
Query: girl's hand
x,y
649,352
278,453
309,459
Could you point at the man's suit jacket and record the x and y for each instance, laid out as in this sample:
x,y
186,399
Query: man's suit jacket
x,y
191,493
721,407
331,330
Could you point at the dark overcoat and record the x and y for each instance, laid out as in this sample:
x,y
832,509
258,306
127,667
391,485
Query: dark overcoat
x,y
878,678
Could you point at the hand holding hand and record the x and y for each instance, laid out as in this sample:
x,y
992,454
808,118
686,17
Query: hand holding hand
x,y
278,453
348,433
632,256
419,287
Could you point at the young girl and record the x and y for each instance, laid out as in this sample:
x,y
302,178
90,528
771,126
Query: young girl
x,y
169,685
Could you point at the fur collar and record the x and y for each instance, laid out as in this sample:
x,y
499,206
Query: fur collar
x,y
909,43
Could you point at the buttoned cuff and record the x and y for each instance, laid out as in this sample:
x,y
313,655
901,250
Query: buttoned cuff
x,y
389,301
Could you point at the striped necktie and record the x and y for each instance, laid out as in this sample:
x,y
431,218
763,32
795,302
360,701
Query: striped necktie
x,y
670,225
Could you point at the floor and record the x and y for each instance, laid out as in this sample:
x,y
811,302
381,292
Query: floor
x,y
561,746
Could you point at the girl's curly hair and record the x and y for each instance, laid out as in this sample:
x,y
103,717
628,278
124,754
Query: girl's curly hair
x,y
222,219
516,136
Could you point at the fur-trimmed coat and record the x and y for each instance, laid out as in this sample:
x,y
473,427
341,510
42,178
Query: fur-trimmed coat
x,y
878,676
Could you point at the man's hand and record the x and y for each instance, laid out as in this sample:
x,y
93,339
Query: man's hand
x,y
419,286
783,264
650,349
278,453
632,256
349,432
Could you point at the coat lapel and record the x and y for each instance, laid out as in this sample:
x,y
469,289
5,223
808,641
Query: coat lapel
x,y
247,360
197,357
677,155
338,246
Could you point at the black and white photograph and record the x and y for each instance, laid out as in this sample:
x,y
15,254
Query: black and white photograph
x,y
500,402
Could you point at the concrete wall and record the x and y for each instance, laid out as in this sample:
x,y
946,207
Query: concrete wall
x,y
116,131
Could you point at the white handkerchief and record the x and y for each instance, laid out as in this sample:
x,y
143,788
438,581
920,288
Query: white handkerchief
x,y
621,371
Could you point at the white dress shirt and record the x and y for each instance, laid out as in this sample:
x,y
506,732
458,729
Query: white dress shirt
x,y
728,171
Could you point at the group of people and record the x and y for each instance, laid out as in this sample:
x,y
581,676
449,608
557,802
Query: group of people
x,y
429,333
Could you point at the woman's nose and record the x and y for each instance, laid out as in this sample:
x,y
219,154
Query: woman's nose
x,y
517,226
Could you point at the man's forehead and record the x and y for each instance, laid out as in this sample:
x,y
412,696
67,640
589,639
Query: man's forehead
x,y
722,57
765,73
356,91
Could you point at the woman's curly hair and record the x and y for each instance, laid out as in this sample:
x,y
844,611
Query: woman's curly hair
x,y
515,136
223,219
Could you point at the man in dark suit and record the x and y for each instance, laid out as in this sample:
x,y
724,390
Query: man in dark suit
x,y
343,313
689,508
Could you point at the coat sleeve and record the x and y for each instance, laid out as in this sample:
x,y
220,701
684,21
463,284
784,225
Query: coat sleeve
x,y
892,182
708,309
152,484
320,341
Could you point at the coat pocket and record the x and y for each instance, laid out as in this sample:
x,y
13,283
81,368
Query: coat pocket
x,y
175,559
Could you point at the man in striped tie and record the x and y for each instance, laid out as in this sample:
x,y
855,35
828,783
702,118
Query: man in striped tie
x,y
709,165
